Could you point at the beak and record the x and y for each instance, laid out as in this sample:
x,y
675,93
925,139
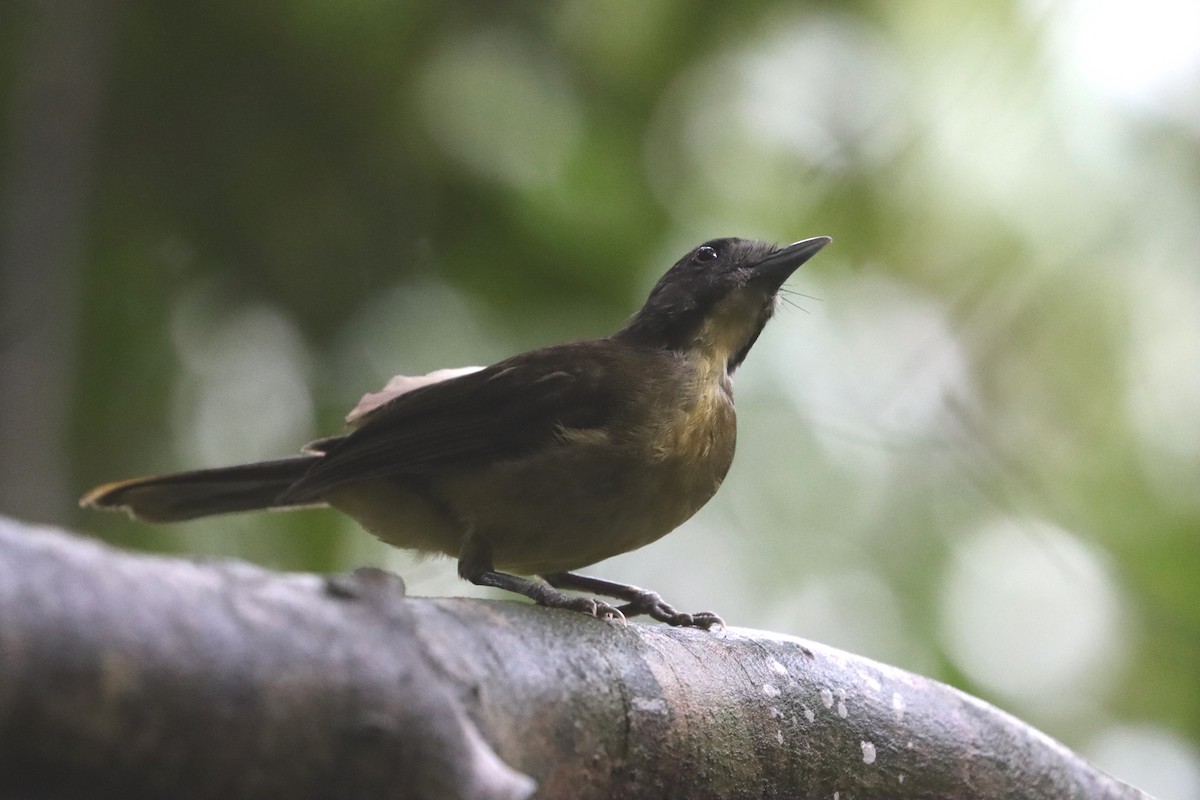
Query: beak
x,y
775,268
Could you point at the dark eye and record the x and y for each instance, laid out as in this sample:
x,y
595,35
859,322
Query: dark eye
x,y
704,255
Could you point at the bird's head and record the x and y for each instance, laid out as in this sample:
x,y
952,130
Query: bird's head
x,y
717,298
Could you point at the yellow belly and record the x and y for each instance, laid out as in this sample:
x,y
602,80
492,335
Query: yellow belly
x,y
589,496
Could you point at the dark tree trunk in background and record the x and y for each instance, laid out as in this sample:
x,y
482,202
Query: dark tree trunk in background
x,y
47,146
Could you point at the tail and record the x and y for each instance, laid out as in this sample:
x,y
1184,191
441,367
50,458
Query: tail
x,y
204,492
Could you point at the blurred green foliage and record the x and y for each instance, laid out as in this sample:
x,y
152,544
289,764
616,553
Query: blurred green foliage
x,y
982,408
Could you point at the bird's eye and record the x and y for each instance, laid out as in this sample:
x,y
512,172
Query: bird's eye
x,y
704,255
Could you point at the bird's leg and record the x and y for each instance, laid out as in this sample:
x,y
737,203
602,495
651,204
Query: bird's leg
x,y
637,601
475,565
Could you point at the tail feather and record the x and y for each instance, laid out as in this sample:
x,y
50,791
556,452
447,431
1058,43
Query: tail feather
x,y
205,492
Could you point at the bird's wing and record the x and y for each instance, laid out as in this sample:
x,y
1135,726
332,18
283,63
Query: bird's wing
x,y
401,384
500,412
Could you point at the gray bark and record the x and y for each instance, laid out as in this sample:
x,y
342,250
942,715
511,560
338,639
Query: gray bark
x,y
142,676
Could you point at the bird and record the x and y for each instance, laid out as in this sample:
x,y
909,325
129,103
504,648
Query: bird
x,y
544,463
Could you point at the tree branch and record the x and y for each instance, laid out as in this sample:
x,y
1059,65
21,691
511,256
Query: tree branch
x,y
144,676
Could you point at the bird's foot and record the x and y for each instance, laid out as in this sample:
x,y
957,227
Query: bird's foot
x,y
637,601
548,596
650,603
591,606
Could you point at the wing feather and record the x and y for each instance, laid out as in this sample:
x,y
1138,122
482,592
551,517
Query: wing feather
x,y
501,412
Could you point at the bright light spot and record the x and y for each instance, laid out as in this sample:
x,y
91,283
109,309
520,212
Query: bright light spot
x,y
822,88
1152,759
740,136
854,611
868,751
244,395
1030,611
1163,378
987,144
411,330
876,358
1134,51
490,103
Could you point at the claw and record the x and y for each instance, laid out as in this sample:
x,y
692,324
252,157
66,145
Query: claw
x,y
610,613
707,620
595,608
652,604
638,601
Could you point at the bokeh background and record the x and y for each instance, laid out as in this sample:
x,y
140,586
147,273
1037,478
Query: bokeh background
x,y
969,444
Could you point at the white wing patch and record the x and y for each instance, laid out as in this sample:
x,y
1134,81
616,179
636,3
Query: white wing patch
x,y
401,384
